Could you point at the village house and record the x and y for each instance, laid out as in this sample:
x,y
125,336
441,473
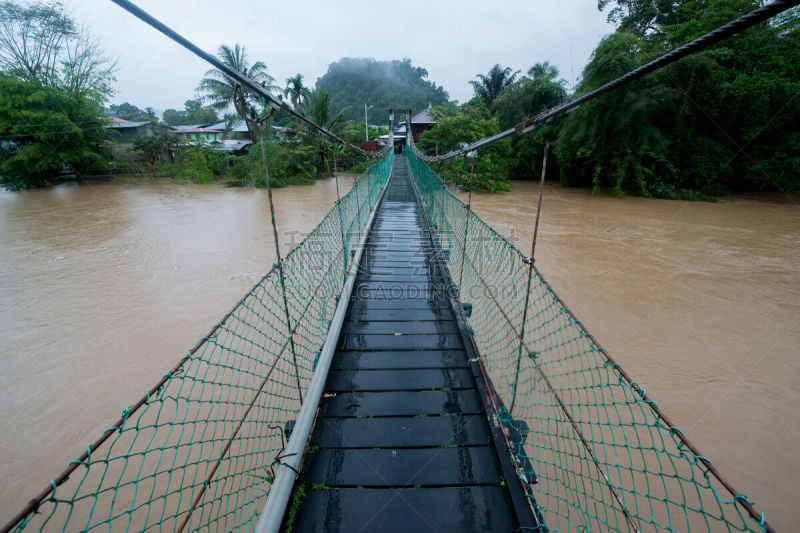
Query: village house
x,y
197,134
422,121
125,131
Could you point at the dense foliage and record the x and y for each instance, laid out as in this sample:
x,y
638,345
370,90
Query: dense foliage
x,y
501,101
454,128
527,98
719,121
128,111
194,112
353,82
46,133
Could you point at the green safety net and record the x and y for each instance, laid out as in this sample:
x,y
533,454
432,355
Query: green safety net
x,y
198,451
594,453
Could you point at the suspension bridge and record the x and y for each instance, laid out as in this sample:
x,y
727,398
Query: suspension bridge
x,y
404,367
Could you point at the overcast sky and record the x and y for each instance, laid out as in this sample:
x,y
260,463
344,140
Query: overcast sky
x,y
453,40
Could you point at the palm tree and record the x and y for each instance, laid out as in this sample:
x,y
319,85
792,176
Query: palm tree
x,y
220,90
490,86
296,91
545,70
320,111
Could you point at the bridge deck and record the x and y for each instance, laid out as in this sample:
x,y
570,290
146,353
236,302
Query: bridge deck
x,y
402,441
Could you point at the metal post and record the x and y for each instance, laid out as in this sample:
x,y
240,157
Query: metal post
x,y
345,251
391,128
369,189
466,229
366,123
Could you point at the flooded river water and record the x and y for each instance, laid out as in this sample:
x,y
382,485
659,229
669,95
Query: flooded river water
x,y
104,287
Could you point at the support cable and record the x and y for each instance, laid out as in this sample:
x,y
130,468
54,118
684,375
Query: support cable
x,y
260,123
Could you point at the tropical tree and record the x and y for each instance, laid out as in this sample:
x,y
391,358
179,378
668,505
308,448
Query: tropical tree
x,y
296,91
543,70
527,98
453,129
490,86
45,132
128,111
40,42
31,40
194,112
320,112
221,91
54,80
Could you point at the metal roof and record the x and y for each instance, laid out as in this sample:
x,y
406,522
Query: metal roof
x,y
423,118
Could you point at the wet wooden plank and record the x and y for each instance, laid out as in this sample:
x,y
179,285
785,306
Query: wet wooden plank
x,y
379,310
377,360
433,467
395,327
402,403
443,510
403,342
402,432
414,379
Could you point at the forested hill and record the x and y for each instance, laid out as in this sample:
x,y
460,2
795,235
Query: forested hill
x,y
352,82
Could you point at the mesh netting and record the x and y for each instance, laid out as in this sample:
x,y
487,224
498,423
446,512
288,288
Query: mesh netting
x,y
196,452
593,451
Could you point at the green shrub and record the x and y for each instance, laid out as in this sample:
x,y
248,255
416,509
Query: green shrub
x,y
194,166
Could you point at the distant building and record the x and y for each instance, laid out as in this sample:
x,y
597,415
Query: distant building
x,y
420,122
196,133
232,146
125,131
371,146
237,130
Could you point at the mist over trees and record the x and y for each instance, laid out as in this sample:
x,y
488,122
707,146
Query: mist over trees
x,y
353,82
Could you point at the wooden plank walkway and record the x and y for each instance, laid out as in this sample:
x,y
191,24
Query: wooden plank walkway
x,y
402,442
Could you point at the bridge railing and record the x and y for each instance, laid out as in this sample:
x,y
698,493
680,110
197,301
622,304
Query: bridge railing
x,y
196,451
593,451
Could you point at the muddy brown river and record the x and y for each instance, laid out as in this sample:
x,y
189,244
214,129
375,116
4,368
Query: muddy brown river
x,y
104,287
